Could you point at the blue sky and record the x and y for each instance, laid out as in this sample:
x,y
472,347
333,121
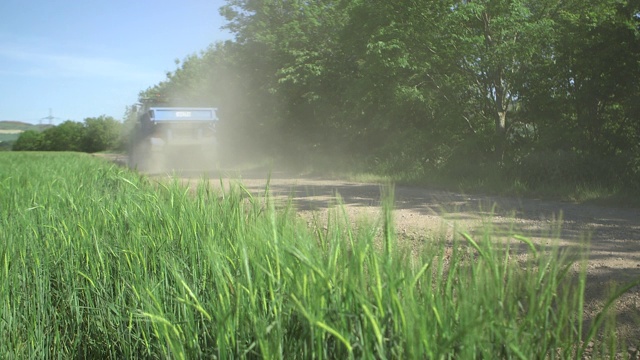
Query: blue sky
x,y
87,58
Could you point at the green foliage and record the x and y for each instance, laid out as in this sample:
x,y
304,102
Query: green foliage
x,y
100,262
95,134
546,167
68,136
414,84
101,133
30,140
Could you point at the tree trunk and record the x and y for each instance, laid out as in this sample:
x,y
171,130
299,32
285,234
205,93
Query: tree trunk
x,y
501,123
499,91
501,115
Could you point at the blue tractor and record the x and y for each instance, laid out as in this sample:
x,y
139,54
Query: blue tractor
x,y
174,139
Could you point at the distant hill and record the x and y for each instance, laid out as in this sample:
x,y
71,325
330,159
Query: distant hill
x,y
11,130
19,125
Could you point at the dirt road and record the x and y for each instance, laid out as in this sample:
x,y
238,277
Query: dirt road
x,y
422,214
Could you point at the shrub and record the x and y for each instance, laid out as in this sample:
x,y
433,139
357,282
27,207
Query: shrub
x,y
30,140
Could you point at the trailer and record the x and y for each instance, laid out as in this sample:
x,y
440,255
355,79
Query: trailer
x,y
174,139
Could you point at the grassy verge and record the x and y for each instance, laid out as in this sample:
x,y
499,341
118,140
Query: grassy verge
x,y
492,183
552,176
99,262
583,193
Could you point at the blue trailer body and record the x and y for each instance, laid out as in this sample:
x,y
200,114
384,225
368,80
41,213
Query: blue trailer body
x,y
158,114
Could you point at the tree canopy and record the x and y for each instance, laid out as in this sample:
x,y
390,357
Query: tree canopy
x,y
92,135
531,88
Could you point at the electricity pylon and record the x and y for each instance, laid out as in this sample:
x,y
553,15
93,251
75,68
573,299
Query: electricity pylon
x,y
50,117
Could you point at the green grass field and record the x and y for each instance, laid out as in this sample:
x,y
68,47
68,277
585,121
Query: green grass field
x,y
99,262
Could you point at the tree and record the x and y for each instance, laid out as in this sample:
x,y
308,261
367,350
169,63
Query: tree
x,y
67,136
494,43
30,140
603,63
582,93
101,133
431,82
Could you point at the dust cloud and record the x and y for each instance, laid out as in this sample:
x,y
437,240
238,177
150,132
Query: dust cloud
x,y
186,152
248,133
